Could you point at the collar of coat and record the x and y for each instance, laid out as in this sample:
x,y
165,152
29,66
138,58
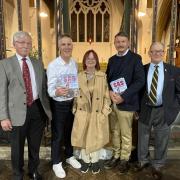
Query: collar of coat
x,y
97,73
82,78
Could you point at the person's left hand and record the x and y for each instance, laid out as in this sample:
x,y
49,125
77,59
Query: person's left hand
x,y
118,99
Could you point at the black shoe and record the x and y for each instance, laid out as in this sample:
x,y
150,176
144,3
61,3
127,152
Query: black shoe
x,y
95,168
113,162
123,166
157,173
140,167
35,176
84,167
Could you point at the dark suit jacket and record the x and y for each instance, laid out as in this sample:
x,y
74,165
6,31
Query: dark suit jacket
x,y
13,92
170,95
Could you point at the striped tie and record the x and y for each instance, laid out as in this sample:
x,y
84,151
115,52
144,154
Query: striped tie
x,y
153,90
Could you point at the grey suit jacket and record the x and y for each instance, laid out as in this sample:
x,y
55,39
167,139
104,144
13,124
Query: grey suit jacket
x,y
13,93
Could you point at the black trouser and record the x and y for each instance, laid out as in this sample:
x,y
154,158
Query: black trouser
x,y
62,123
32,130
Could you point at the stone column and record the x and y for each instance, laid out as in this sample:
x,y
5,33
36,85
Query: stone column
x,y
125,25
66,22
154,21
39,35
19,13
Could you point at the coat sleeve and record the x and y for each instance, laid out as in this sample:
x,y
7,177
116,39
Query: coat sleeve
x,y
106,101
74,105
108,74
45,95
137,83
44,80
3,93
177,85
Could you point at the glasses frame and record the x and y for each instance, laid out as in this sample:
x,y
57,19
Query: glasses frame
x,y
22,43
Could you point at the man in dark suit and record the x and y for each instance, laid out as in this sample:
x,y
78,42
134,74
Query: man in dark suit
x,y
160,105
125,71
24,104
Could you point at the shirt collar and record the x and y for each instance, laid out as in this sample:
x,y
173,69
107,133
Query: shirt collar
x,y
20,57
160,65
120,55
63,62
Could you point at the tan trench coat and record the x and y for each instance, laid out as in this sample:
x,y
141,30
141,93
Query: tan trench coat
x,y
91,125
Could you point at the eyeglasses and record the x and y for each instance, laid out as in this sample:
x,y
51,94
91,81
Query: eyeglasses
x,y
91,59
157,52
22,43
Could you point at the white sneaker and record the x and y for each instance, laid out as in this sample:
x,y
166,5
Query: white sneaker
x,y
59,171
73,162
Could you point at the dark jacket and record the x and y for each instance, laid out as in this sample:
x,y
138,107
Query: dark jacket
x,y
170,95
130,67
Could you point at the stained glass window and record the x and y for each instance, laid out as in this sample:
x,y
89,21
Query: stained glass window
x,y
90,19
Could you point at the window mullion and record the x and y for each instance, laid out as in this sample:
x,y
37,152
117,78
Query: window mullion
x,y
102,36
94,27
85,23
78,27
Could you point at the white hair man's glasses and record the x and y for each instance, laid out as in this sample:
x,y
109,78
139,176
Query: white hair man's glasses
x,y
22,43
157,52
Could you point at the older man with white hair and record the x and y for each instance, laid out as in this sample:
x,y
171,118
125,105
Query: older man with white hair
x,y
159,107
24,105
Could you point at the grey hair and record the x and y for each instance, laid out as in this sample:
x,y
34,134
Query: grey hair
x,y
157,43
61,37
20,34
64,35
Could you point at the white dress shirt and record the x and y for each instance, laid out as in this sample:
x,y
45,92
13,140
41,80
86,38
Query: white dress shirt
x,y
56,69
32,74
120,55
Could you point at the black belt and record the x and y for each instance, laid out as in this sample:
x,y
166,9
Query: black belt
x,y
156,106
37,101
67,102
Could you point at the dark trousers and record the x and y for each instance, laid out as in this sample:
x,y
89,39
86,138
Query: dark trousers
x,y
32,130
62,123
161,138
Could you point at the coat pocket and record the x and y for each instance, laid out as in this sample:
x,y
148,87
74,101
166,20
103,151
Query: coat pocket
x,y
106,110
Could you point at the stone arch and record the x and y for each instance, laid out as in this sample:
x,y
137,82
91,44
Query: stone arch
x,y
164,17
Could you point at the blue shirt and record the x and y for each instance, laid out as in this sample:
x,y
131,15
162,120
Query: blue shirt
x,y
160,80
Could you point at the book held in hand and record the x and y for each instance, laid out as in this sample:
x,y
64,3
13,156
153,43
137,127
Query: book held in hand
x,y
118,85
69,81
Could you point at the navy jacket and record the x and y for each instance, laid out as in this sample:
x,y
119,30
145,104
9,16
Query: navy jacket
x,y
130,67
170,95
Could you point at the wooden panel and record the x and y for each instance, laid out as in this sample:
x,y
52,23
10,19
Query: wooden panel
x,y
177,60
2,32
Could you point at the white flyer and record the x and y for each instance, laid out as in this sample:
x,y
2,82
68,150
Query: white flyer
x,y
118,85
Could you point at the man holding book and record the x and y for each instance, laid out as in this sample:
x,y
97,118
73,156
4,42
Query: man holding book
x,y
125,76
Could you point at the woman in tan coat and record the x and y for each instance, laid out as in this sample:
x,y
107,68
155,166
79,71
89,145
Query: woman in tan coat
x,y
91,108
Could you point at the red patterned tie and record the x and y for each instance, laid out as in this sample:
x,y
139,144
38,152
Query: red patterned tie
x,y
27,82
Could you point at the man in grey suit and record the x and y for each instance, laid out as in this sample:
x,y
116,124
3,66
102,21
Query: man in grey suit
x,y
24,104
